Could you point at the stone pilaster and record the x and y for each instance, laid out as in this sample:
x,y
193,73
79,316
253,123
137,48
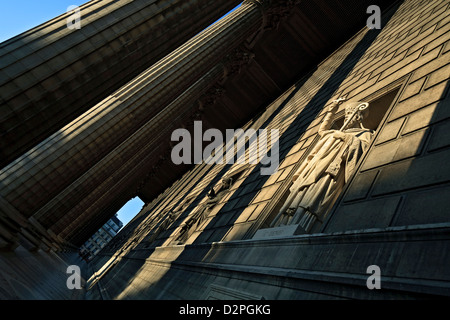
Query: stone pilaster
x,y
39,175
132,158
51,74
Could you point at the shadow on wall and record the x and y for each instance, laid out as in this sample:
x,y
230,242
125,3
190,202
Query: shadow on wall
x,y
410,184
38,275
297,127
124,276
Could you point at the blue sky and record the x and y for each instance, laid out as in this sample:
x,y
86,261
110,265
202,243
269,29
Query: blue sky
x,y
17,16
130,210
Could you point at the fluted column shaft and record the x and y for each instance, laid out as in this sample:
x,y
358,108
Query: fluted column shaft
x,y
51,74
39,175
133,158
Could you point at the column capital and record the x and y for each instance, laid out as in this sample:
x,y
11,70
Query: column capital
x,y
274,11
210,97
237,59
264,4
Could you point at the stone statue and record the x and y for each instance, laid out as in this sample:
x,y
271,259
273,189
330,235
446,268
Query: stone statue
x,y
321,178
200,216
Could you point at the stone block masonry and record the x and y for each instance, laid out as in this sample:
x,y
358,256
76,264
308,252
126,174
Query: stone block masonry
x,y
393,212
408,157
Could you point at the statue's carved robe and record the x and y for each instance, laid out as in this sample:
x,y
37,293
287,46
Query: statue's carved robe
x,y
194,222
321,178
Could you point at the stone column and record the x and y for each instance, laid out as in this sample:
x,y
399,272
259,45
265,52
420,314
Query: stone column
x,y
123,169
39,175
123,179
51,74
13,223
126,165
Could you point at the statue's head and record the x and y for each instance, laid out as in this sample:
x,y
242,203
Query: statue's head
x,y
226,182
352,107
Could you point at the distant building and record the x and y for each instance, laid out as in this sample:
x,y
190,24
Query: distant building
x,y
101,238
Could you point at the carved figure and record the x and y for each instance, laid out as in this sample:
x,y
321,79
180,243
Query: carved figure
x,y
197,218
321,178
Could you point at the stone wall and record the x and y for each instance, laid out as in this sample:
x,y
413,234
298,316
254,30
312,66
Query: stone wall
x,y
403,178
392,212
40,275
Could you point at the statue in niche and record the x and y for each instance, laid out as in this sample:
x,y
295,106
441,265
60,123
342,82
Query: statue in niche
x,y
196,220
321,178
160,226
